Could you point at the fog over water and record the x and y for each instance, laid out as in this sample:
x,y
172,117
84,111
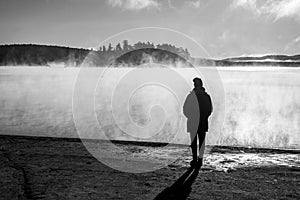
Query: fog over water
x,y
262,106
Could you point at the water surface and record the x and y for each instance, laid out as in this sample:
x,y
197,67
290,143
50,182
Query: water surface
x,y
262,105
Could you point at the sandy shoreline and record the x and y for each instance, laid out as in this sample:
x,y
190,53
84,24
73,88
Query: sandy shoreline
x,y
43,168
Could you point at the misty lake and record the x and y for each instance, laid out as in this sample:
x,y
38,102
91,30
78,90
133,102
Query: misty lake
x,y
261,107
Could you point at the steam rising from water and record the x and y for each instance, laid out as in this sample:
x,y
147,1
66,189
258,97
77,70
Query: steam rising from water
x,y
262,106
145,103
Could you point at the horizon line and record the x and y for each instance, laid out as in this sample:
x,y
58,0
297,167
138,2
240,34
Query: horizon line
x,y
214,58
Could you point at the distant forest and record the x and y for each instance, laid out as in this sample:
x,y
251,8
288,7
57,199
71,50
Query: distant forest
x,y
43,55
124,53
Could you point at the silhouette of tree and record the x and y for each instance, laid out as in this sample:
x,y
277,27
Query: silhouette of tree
x,y
138,45
150,45
110,48
118,47
125,45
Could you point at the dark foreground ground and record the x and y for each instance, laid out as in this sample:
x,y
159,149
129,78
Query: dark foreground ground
x,y
45,168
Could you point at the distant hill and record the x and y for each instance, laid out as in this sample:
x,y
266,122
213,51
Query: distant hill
x,y
267,60
43,55
37,55
273,58
141,56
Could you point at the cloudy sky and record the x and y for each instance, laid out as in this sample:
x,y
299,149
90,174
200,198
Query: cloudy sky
x,y
223,27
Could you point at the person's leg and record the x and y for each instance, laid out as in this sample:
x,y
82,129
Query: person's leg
x,y
201,137
194,147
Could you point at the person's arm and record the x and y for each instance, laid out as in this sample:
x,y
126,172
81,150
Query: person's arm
x,y
185,106
211,106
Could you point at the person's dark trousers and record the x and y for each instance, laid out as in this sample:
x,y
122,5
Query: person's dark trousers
x,y
201,138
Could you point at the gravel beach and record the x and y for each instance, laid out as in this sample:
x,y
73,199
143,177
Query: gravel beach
x,y
58,168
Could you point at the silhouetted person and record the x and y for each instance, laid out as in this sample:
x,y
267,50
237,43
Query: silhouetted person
x,y
197,108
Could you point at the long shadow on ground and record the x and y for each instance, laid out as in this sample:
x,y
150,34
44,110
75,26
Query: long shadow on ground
x,y
181,189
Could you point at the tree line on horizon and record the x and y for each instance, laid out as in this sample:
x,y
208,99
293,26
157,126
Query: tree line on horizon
x,y
125,47
43,55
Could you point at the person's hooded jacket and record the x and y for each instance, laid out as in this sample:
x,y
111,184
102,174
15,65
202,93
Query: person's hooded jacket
x,y
197,108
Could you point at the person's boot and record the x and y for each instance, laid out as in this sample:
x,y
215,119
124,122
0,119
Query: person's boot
x,y
200,162
193,163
